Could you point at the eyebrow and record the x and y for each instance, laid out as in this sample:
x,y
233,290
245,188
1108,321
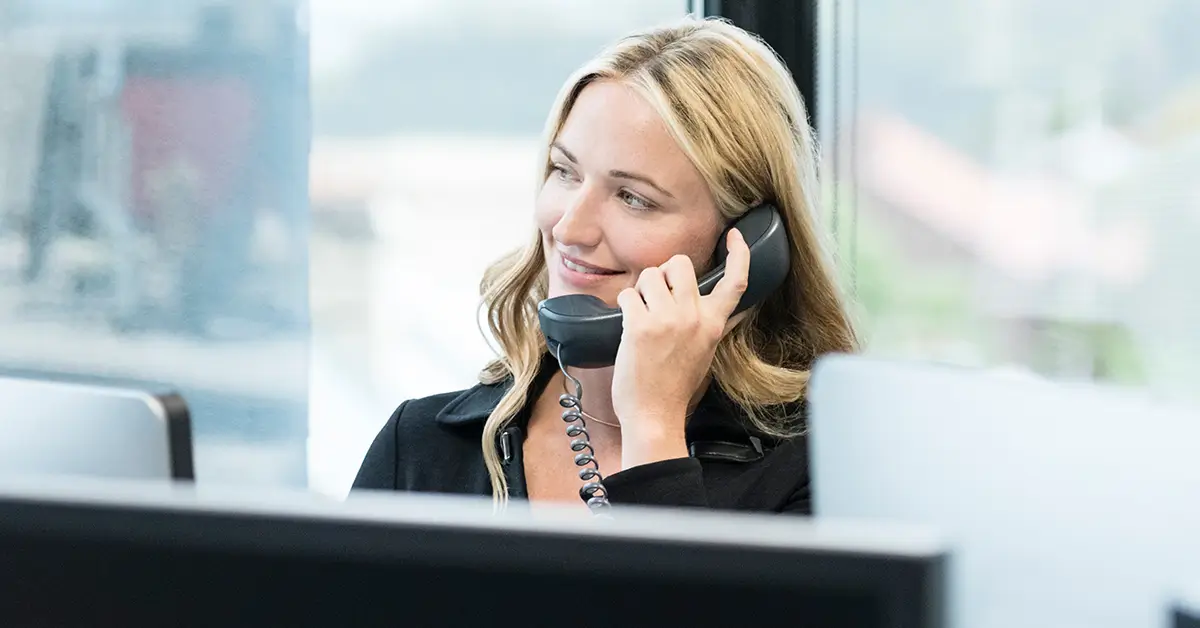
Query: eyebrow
x,y
618,174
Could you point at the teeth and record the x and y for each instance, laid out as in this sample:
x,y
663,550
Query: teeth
x,y
581,269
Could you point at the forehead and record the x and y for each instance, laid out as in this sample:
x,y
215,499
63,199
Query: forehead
x,y
612,127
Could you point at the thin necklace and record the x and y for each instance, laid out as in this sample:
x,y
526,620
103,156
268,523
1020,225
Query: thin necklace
x,y
585,414
592,418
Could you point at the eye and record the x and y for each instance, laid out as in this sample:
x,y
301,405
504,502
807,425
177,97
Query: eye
x,y
561,173
634,201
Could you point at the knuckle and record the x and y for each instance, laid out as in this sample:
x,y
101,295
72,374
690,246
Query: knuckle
x,y
650,274
680,260
626,297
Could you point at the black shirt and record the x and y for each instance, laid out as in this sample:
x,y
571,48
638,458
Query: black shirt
x,y
433,445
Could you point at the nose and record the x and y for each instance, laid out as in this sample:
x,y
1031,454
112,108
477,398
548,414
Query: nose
x,y
579,224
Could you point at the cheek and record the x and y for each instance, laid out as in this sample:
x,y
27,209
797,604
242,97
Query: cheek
x,y
705,250
640,248
547,210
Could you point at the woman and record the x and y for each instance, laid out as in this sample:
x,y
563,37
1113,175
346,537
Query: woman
x,y
651,150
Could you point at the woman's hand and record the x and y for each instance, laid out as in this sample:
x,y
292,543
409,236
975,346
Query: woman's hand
x,y
667,346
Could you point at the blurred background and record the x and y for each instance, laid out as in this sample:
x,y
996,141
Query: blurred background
x,y
283,209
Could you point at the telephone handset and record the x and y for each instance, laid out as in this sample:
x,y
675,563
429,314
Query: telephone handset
x,y
582,331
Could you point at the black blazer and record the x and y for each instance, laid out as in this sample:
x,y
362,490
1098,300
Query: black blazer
x,y
433,445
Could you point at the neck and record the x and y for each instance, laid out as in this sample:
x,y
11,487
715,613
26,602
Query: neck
x,y
597,392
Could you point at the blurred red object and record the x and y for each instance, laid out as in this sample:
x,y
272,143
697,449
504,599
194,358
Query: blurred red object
x,y
201,125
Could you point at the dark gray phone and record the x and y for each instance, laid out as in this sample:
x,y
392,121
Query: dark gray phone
x,y
584,332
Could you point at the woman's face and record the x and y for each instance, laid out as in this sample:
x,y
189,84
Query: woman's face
x,y
621,197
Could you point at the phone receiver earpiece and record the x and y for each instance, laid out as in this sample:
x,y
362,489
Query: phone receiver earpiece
x,y
585,333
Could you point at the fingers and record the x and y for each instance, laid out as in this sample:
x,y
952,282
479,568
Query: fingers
x,y
729,290
667,297
681,279
652,285
631,304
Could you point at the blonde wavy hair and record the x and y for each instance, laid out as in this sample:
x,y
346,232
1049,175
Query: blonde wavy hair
x,y
733,108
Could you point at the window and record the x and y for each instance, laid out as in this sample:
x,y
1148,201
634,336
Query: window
x,y
153,217
426,121
174,213
1015,185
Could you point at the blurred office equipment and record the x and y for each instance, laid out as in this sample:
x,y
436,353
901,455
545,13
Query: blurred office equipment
x,y
162,141
1066,504
1185,612
181,557
58,428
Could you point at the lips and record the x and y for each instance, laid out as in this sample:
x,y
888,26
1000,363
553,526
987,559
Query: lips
x,y
579,266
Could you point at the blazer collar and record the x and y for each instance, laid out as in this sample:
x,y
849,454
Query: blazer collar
x,y
475,404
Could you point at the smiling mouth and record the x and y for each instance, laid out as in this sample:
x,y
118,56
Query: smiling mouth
x,y
587,270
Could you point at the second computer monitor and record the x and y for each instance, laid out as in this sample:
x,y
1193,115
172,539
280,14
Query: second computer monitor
x,y
1185,610
61,428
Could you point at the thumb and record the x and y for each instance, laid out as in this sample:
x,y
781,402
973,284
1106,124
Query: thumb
x,y
729,290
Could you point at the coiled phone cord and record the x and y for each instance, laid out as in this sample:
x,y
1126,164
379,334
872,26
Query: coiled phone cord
x,y
593,492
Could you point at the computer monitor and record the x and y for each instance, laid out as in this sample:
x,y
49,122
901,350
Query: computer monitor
x,y
125,554
1065,504
1185,613
63,428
